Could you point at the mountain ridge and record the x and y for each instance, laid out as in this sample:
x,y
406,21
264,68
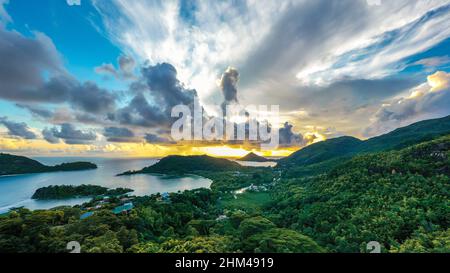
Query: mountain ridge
x,y
177,164
14,164
397,139
253,157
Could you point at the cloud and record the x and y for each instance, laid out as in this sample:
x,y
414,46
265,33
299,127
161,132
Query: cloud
x,y
386,53
37,111
69,134
228,85
18,129
163,89
199,39
24,63
433,61
288,137
73,2
140,113
90,98
119,134
317,40
49,136
373,2
333,58
125,71
4,16
426,101
154,139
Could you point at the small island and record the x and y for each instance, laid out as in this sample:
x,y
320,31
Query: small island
x,y
254,158
180,165
13,164
67,191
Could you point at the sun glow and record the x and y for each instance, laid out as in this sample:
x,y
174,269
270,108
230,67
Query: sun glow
x,y
438,81
43,148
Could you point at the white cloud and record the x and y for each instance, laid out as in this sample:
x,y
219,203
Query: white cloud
x,y
373,2
223,34
394,32
282,51
425,101
4,16
73,2
433,61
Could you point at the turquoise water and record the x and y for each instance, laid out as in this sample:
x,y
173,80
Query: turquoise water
x,y
16,191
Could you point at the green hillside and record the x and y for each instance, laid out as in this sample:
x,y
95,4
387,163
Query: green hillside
x,y
403,137
69,191
323,151
176,164
398,198
345,147
13,164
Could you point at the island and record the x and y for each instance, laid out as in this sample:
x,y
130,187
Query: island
x,y
68,191
179,165
14,164
254,158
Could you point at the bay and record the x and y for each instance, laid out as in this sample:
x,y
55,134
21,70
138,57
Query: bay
x,y
16,190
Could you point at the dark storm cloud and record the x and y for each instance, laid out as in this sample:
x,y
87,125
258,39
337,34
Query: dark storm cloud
x,y
127,65
165,87
160,84
23,60
36,110
49,135
125,71
19,129
69,134
140,113
23,63
119,134
88,118
155,139
287,137
90,98
228,84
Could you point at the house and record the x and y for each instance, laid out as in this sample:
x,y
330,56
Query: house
x,y
125,208
86,215
221,217
165,196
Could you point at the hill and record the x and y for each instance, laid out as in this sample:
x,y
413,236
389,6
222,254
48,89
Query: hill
x,y
253,157
346,147
13,164
176,164
323,151
398,198
69,191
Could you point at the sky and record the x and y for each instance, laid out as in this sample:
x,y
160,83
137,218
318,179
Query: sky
x,y
100,77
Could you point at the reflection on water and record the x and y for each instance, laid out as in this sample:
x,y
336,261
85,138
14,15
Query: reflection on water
x,y
17,190
257,164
